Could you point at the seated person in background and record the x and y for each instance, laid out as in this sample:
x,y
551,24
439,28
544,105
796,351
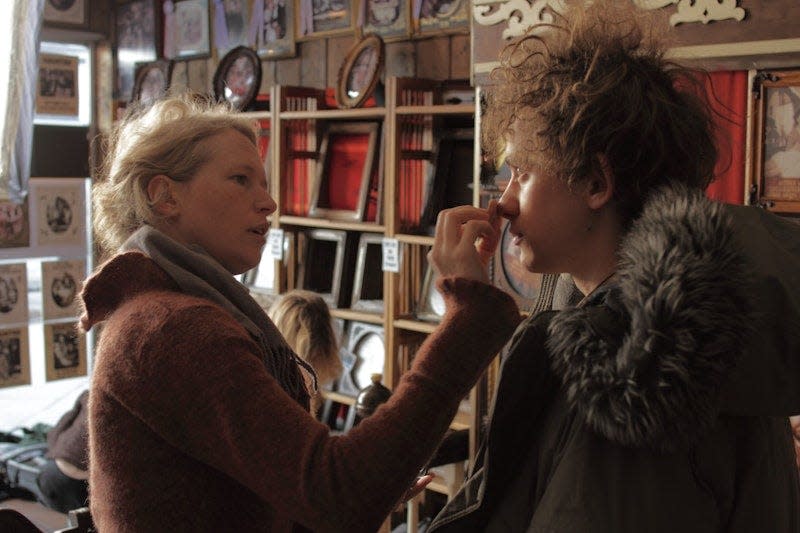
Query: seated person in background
x,y
199,414
304,320
63,481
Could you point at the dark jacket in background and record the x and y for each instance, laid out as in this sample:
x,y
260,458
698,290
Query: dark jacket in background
x,y
660,404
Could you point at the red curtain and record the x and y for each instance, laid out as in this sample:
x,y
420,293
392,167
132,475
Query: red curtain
x,y
727,93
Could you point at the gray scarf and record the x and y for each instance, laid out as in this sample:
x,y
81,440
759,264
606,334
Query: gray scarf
x,y
198,274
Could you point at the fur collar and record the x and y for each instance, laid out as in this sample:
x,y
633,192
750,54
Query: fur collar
x,y
646,367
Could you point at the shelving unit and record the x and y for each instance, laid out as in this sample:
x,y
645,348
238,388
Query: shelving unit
x,y
416,126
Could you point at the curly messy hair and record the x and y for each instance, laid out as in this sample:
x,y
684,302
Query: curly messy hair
x,y
595,81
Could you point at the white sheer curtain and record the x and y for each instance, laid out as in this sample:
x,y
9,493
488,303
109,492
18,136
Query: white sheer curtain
x,y
20,22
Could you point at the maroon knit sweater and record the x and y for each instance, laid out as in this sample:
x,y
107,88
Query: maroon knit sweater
x,y
189,432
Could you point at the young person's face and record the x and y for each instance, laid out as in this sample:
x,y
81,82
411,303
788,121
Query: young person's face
x,y
224,207
546,218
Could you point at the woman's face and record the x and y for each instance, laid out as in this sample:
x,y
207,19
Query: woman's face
x,y
547,220
224,207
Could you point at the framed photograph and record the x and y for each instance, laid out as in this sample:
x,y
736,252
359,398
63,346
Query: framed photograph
x,y
348,154
15,228
276,30
327,265
60,213
231,25
15,362
151,80
323,18
508,273
238,78
61,284
64,350
365,343
13,294
360,72
387,19
67,13
443,16
190,35
777,141
430,306
57,85
137,25
368,282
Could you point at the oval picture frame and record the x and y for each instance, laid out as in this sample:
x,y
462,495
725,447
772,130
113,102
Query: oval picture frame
x,y
238,78
360,72
151,80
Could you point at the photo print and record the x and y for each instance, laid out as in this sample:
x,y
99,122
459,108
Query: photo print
x,y
65,351
15,368
61,285
14,225
13,294
61,214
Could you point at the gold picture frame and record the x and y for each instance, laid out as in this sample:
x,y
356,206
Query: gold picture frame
x,y
360,72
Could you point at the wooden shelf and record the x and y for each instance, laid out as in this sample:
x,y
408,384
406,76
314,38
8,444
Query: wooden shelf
x,y
359,316
336,114
444,109
415,325
425,240
311,222
338,397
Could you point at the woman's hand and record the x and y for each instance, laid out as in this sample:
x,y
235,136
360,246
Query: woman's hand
x,y
466,238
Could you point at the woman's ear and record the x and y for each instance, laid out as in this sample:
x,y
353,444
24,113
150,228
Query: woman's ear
x,y
600,188
161,195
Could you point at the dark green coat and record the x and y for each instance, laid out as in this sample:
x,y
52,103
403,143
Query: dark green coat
x,y
660,404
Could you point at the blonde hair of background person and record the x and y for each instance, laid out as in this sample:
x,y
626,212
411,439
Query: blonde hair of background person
x,y
304,320
199,414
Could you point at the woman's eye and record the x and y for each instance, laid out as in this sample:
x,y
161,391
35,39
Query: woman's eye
x,y
240,179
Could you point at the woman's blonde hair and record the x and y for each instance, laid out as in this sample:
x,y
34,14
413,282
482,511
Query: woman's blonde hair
x,y
167,137
304,320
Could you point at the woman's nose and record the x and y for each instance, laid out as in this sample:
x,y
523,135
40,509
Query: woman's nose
x,y
266,203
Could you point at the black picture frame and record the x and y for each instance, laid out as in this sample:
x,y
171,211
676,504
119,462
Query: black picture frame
x,y
360,72
151,80
238,78
368,282
327,265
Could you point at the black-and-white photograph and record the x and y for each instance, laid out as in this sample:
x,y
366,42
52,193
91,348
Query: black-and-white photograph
x,y
65,351
13,293
14,357
61,283
61,213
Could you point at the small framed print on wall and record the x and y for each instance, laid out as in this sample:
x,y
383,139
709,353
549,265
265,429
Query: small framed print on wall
x,y
341,187
238,78
389,20
15,364
13,294
14,224
60,212
443,16
151,80
64,350
137,29
67,13
61,285
323,18
360,72
777,140
187,30
276,30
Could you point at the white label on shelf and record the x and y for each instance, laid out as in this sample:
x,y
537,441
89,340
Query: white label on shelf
x,y
391,255
275,243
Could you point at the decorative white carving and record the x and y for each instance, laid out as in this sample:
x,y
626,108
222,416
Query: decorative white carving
x,y
703,11
522,14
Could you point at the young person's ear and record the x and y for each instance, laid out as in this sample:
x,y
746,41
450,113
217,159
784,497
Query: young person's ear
x,y
161,195
600,188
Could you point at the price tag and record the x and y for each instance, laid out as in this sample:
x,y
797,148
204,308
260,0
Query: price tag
x,y
275,243
391,255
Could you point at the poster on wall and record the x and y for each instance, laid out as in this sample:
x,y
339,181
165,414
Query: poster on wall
x,y
61,285
65,12
14,225
57,86
13,294
15,367
60,214
64,350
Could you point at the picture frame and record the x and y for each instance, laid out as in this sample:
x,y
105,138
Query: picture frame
x,y
57,86
276,34
13,294
62,282
15,226
151,81
137,26
324,18
363,353
442,17
360,72
776,173
238,78
65,351
190,30
59,211
327,265
66,13
368,281
388,20
342,182
430,305
509,274
231,24
15,362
